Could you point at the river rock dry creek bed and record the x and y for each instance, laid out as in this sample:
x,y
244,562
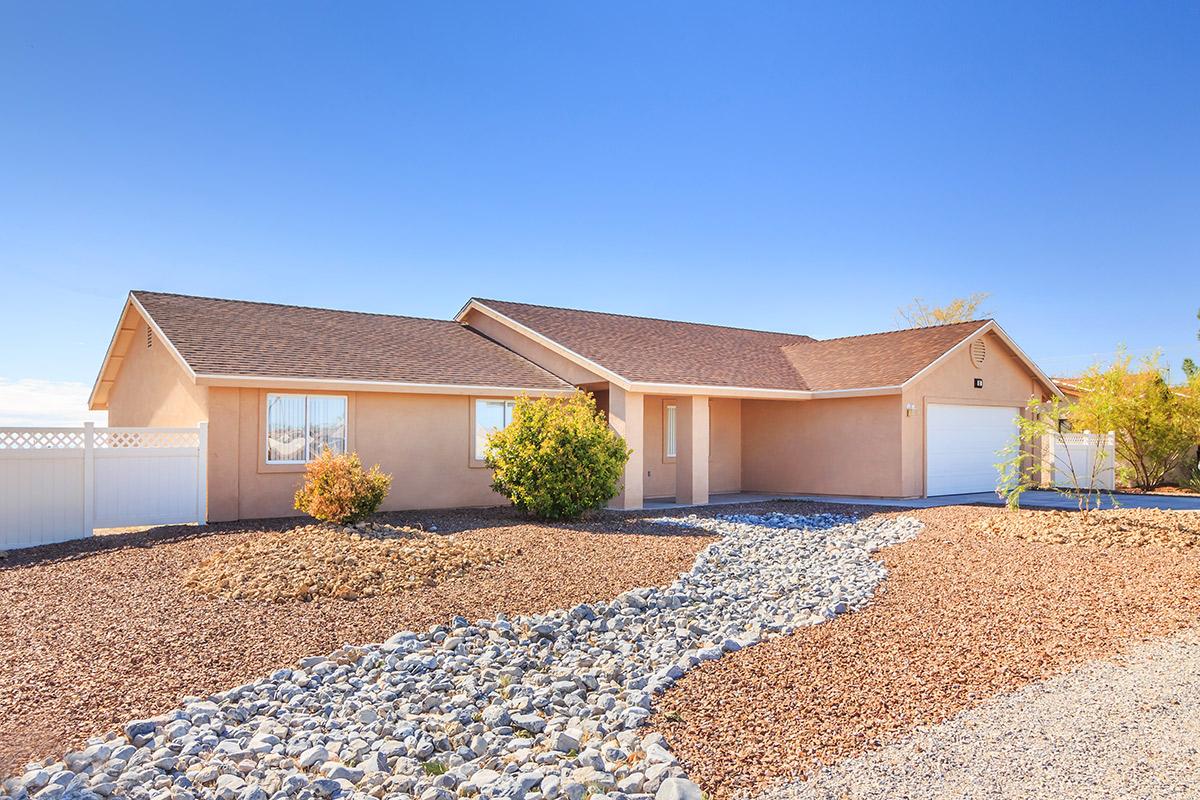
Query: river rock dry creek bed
x,y
637,693
551,703
99,631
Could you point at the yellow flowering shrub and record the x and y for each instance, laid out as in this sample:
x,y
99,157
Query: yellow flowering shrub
x,y
558,457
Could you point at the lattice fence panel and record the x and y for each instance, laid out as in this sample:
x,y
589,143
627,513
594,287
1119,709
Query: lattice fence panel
x,y
43,439
129,439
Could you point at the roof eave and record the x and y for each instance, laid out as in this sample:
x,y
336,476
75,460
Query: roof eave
x,y
355,385
95,403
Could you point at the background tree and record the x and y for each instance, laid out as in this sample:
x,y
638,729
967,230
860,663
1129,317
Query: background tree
x,y
1189,366
918,314
1155,424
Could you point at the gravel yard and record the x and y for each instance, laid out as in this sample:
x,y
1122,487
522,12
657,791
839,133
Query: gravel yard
x,y
1106,731
964,615
96,632
315,561
1133,527
500,707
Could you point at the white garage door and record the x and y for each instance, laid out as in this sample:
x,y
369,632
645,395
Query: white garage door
x,y
963,444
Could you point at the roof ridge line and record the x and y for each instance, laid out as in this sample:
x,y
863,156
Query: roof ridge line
x,y
291,305
979,323
486,300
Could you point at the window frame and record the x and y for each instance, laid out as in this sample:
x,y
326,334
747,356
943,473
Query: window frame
x,y
667,409
266,433
474,458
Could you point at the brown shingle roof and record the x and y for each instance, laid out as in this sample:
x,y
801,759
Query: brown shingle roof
x,y
235,337
877,359
662,351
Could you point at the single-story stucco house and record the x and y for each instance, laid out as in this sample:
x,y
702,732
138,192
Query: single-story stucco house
x,y
705,408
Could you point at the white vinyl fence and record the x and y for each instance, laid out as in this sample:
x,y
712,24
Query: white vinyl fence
x,y
1083,460
61,483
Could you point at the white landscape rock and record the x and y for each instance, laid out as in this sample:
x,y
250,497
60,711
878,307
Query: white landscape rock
x,y
549,705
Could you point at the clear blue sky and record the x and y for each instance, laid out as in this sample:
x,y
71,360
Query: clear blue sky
x,y
789,166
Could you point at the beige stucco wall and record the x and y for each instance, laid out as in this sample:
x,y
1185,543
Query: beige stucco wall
x,y
1006,382
152,389
843,446
725,447
422,440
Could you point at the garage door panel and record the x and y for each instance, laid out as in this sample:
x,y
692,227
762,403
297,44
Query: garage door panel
x,y
963,444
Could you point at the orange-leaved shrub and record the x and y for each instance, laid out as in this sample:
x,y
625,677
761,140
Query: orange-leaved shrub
x,y
338,489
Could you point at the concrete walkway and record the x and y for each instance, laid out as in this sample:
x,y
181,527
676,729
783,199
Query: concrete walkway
x,y
1034,499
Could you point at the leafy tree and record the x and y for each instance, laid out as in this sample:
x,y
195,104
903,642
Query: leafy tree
x,y
558,457
919,314
1022,467
1156,424
1189,366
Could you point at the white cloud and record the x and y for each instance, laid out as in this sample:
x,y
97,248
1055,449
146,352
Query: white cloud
x,y
30,401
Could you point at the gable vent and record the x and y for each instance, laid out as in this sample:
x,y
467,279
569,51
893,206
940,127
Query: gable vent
x,y
978,352
149,337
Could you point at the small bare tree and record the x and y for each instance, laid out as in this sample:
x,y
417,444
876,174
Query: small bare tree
x,y
919,314
1023,464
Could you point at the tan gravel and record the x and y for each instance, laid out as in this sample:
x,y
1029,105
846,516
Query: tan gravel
x,y
1133,527
97,632
314,561
963,615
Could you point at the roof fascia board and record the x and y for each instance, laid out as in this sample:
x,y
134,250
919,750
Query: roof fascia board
x,y
159,332
108,354
993,327
109,357
1046,380
270,382
545,341
932,365
754,392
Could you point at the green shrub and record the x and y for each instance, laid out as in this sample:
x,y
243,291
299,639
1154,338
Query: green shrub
x,y
338,489
558,457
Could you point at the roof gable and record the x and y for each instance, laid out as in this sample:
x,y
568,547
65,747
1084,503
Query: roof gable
x,y
665,352
218,338
878,359
651,350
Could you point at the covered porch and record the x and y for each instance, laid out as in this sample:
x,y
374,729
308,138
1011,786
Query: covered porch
x,y
693,450
687,449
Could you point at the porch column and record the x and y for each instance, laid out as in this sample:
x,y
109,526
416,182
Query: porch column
x,y
691,447
625,411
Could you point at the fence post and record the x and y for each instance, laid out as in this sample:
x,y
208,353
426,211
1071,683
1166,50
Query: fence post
x,y
89,478
202,474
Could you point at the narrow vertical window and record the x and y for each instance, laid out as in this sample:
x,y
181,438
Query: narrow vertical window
x,y
490,415
669,432
300,426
